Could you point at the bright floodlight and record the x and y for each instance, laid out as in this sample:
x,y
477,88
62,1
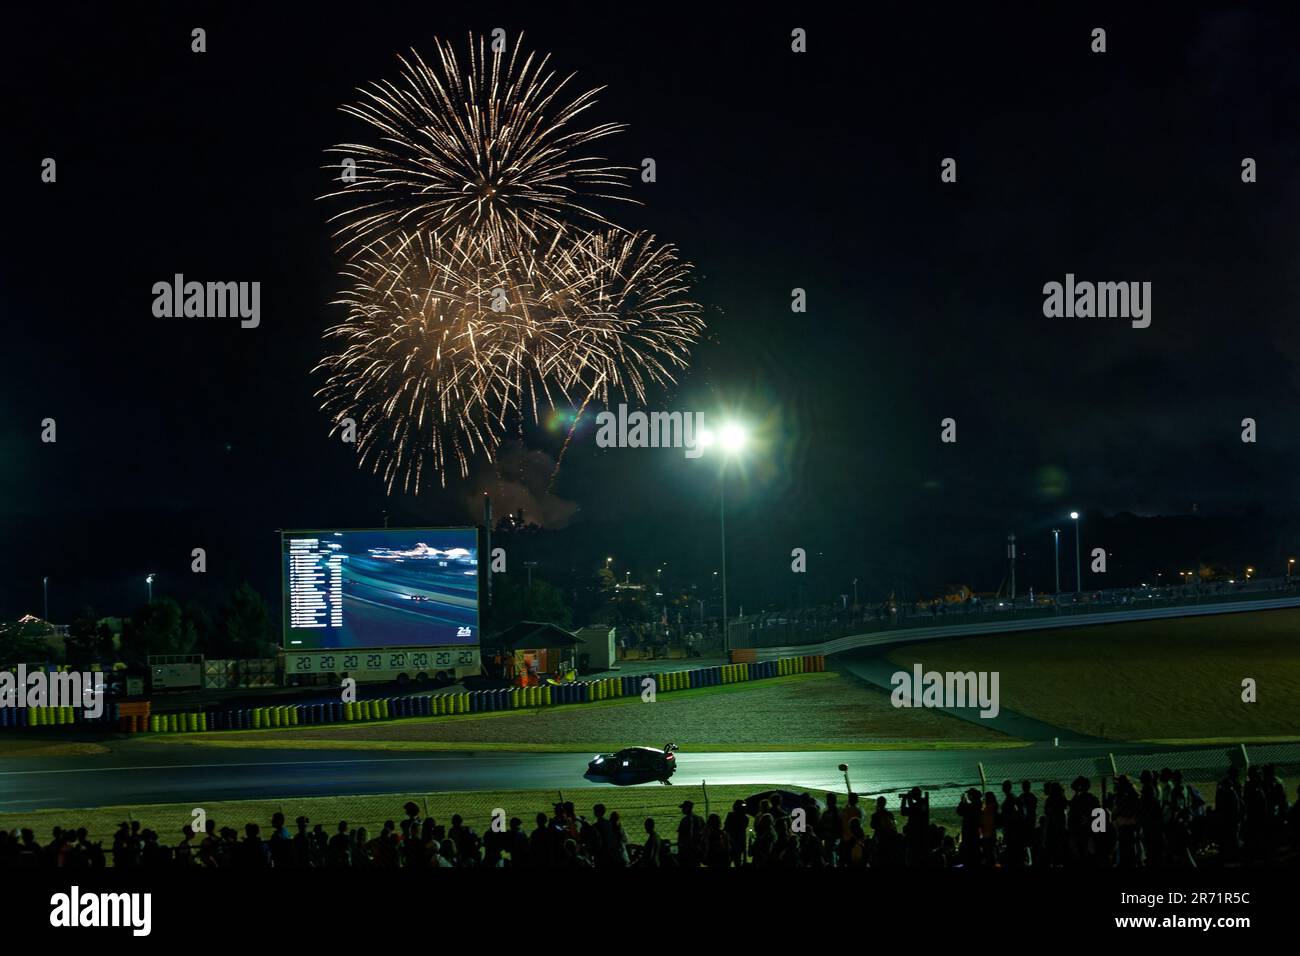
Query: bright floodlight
x,y
732,437
1074,515
149,579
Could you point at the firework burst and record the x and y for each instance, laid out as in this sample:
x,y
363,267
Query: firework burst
x,y
482,290
485,151
442,348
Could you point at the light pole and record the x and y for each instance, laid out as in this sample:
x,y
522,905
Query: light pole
x,y
1078,567
1290,563
530,565
1056,556
45,587
149,581
732,439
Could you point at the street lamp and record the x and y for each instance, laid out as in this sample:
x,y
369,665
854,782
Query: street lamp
x,y
1056,557
1290,563
149,581
45,587
1078,567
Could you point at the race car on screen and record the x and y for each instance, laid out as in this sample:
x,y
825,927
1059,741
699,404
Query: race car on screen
x,y
634,765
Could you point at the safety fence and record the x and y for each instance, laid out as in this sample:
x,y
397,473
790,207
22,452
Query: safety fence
x,y
135,717
908,635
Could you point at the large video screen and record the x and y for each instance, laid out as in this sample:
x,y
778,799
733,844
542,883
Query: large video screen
x,y
384,588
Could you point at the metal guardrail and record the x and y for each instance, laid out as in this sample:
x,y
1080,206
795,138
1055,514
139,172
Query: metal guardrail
x,y
906,635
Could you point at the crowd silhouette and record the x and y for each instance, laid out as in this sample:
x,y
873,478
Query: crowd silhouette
x,y
1155,820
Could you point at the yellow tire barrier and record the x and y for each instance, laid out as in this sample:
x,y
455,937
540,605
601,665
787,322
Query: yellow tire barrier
x,y
203,720
546,694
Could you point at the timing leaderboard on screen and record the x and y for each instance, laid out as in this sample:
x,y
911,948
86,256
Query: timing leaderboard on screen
x,y
315,584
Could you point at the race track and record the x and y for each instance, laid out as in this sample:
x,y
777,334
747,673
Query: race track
x,y
182,773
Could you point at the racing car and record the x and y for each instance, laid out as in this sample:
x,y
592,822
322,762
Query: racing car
x,y
634,765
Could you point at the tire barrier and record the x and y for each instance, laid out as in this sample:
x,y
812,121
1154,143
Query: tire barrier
x,y
136,716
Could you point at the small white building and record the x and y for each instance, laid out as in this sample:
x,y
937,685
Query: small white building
x,y
598,646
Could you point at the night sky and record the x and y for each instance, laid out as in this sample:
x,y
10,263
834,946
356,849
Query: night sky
x,y
775,170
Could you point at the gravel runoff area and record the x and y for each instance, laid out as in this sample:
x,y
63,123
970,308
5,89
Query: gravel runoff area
x,y
823,709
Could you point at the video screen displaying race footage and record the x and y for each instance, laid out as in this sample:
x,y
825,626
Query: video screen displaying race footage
x,y
385,588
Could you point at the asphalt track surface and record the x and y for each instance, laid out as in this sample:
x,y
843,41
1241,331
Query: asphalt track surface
x,y
180,773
